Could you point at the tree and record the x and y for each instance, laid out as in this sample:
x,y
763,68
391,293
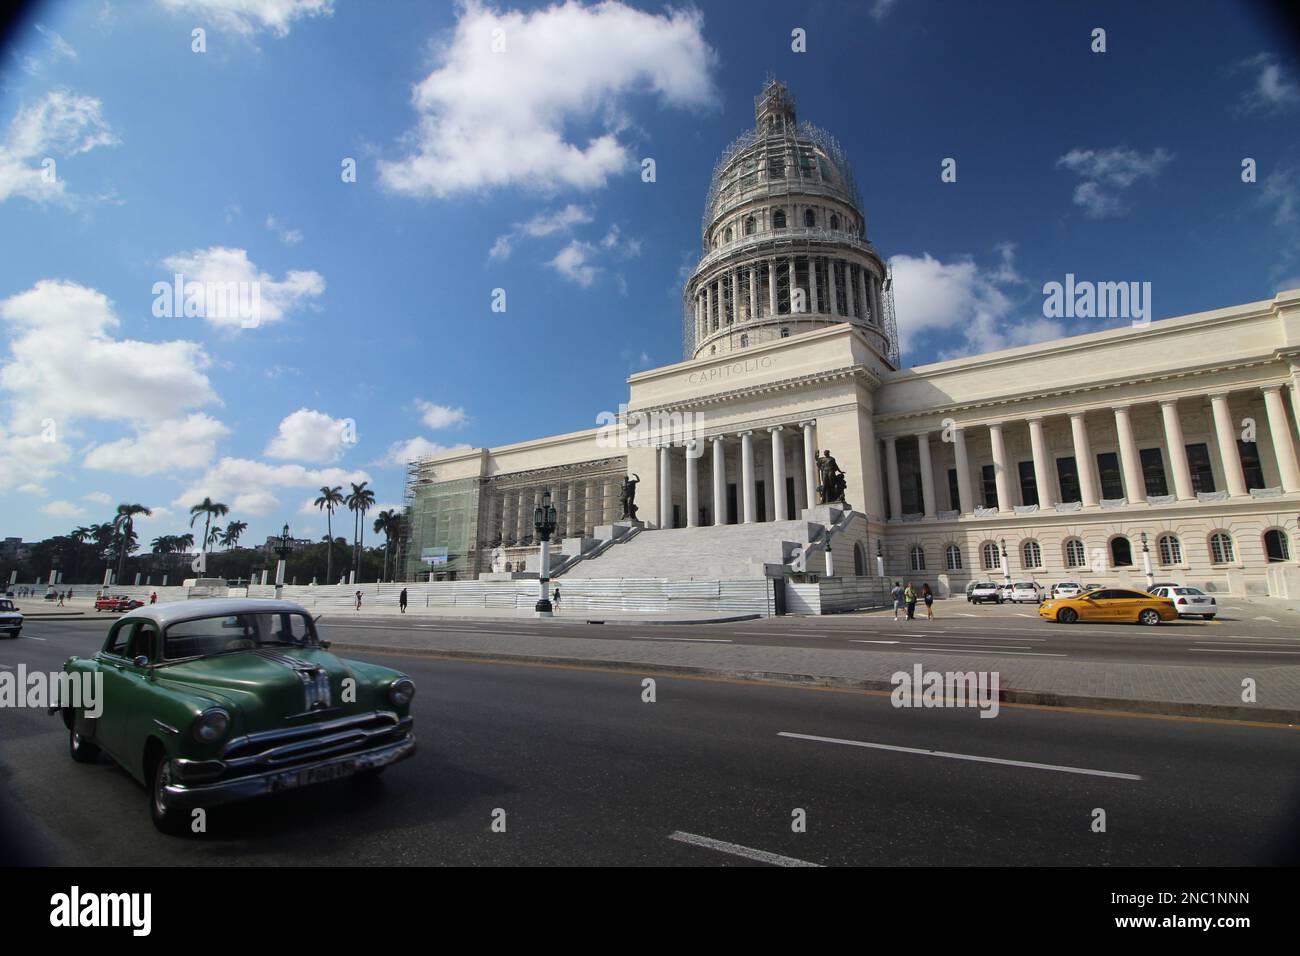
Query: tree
x,y
389,524
124,526
209,509
361,500
330,498
213,536
233,530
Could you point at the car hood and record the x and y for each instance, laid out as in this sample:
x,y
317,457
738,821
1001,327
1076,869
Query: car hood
x,y
269,684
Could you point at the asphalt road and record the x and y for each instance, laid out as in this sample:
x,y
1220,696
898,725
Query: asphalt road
x,y
588,773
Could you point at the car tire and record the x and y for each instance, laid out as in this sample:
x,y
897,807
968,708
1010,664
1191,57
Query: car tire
x,y
1149,617
168,820
81,749
1067,615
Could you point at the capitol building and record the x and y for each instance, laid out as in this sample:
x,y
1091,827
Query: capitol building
x,y
1162,451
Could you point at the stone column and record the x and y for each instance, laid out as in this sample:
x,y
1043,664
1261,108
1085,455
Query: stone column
x,y
1086,467
790,270
771,287
719,480
1228,454
797,473
747,475
863,296
876,307
927,473
1043,476
962,463
665,486
848,288
753,292
708,307
778,473
891,470
1177,450
523,515
612,511
813,305
692,485
1135,489
810,463
1000,476
1280,428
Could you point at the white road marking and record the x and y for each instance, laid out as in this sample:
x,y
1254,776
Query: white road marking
x,y
7,667
1017,647
1225,650
955,756
30,638
1271,620
875,642
689,640
735,849
964,614
1258,642
974,651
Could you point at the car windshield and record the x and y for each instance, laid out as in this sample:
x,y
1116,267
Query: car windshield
x,y
6,605
1188,591
206,636
1024,586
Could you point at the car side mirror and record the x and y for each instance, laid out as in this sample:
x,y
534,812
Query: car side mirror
x,y
141,661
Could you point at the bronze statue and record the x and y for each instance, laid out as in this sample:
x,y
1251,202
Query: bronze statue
x,y
831,481
628,495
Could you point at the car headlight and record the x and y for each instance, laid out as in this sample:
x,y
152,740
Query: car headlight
x,y
211,725
401,691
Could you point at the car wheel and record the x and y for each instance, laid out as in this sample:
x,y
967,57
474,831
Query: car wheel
x,y
1149,616
81,749
1067,615
167,818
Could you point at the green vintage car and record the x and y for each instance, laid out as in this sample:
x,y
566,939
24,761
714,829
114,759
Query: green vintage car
x,y
209,701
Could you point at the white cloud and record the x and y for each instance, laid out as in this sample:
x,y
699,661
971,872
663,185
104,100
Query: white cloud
x,y
31,488
491,119
220,266
948,309
255,503
247,17
290,237
439,416
574,263
1107,172
543,224
55,49
252,482
401,453
309,435
170,445
880,9
61,124
1280,193
63,509
1273,89
97,497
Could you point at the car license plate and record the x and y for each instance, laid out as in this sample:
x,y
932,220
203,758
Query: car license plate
x,y
313,775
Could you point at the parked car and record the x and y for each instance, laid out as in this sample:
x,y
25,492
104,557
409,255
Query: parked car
x,y
1026,592
1066,589
983,592
1110,604
11,619
119,602
1190,602
207,702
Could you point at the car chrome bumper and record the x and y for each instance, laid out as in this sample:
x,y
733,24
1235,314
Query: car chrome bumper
x,y
185,796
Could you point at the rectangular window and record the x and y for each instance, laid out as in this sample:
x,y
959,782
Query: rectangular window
x,y
1112,484
1251,469
1067,475
1153,471
1028,483
1198,462
989,487
954,492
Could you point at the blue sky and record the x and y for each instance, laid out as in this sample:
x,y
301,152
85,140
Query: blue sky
x,y
519,169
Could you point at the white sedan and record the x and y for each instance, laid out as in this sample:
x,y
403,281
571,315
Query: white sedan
x,y
11,619
1026,592
1190,602
1066,589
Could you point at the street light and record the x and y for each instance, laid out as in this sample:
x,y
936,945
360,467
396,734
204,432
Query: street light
x,y
284,550
1006,567
1146,562
544,524
880,559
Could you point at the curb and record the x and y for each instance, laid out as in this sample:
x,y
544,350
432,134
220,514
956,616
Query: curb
x,y
325,617
1263,715
703,620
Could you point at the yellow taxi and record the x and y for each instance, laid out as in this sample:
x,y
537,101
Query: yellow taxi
x,y
1110,604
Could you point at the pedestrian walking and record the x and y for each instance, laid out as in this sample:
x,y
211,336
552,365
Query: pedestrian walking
x,y
358,600
401,600
909,598
555,598
153,598
928,597
60,599
896,594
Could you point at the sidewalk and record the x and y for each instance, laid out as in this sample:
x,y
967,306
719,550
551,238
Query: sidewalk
x,y
1175,690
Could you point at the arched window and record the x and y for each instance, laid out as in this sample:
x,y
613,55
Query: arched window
x,y
1276,547
1221,550
1121,552
1169,550
835,222
726,236
750,226
859,559
744,341
809,218
917,555
778,219
1076,556
952,556
989,556
1032,554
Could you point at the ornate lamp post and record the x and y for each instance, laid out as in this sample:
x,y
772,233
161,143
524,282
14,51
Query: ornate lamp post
x,y
1146,562
1006,567
284,550
880,559
544,524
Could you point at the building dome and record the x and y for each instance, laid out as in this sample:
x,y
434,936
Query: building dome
x,y
784,242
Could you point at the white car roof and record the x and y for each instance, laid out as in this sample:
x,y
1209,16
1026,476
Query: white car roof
x,y
173,611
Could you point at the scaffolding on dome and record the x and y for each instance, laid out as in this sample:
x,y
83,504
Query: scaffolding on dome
x,y
891,321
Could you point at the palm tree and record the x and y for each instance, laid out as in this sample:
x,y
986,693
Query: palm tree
x,y
361,500
330,498
210,509
389,524
213,536
233,530
80,534
184,542
124,524
163,544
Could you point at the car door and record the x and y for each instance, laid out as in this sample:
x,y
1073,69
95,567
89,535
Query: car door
x,y
124,689
1097,607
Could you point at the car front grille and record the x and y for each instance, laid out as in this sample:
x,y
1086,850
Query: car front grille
x,y
279,749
